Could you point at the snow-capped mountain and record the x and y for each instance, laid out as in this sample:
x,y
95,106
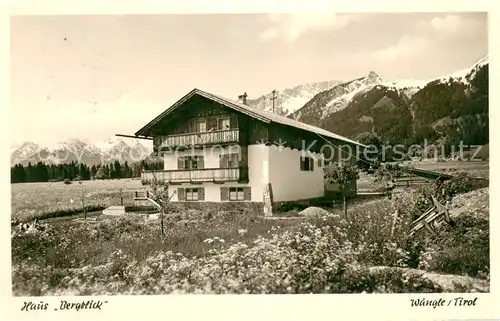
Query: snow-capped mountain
x,y
24,151
340,96
289,100
337,98
464,75
81,150
407,110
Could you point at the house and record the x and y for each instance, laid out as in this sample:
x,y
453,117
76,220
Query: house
x,y
219,150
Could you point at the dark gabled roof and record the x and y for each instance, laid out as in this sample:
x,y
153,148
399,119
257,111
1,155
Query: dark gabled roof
x,y
259,114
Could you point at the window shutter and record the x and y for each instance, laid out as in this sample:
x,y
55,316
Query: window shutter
x,y
301,164
224,193
180,194
223,161
247,194
311,164
235,160
180,162
201,162
233,121
201,194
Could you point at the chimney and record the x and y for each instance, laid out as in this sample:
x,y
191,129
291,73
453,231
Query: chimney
x,y
243,98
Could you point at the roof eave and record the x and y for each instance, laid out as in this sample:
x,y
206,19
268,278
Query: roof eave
x,y
143,130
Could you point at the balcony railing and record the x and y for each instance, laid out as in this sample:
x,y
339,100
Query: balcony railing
x,y
195,175
194,139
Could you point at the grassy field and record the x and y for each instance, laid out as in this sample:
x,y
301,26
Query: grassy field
x,y
239,252
235,251
475,168
38,200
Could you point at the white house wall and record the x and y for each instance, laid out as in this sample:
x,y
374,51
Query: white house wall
x,y
266,164
258,171
289,183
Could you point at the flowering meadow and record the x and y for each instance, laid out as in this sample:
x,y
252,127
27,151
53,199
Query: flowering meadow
x,y
242,252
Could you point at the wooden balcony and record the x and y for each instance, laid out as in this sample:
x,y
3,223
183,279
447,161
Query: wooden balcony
x,y
198,139
196,175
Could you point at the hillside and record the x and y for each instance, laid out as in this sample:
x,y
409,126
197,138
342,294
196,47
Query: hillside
x,y
449,109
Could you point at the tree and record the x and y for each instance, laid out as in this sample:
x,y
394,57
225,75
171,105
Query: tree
x,y
388,174
117,170
159,193
136,170
72,171
18,174
127,172
83,172
101,173
345,175
93,171
29,173
370,139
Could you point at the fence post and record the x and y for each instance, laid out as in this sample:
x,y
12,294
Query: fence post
x,y
394,221
83,205
161,218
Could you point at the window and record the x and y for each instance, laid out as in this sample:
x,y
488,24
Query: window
x,y
223,123
228,160
236,194
191,194
320,162
201,126
306,163
190,162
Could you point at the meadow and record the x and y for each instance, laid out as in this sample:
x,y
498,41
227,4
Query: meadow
x,y
476,168
239,251
53,199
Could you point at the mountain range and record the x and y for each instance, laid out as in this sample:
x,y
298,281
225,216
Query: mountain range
x,y
289,100
80,150
447,109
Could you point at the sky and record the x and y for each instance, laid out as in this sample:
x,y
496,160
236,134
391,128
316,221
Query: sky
x,y
93,76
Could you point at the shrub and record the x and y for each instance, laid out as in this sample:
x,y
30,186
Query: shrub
x,y
235,252
463,249
305,258
67,181
462,183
